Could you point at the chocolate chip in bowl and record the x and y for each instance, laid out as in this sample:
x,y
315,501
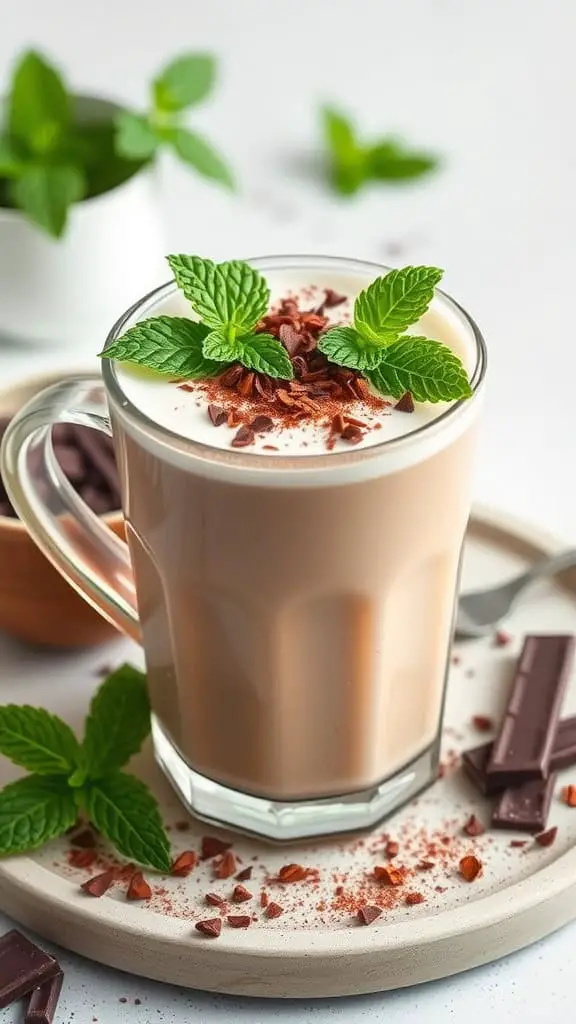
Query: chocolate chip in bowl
x,y
36,604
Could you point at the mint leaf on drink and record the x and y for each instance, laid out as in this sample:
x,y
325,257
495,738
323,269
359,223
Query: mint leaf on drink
x,y
428,369
393,302
230,296
38,741
201,155
118,722
184,82
352,163
34,810
170,345
125,812
344,346
135,137
260,352
39,107
392,160
46,193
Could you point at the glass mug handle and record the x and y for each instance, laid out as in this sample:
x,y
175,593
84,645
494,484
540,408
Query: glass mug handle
x,y
88,554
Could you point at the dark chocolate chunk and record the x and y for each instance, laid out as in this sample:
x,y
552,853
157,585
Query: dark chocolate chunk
x,y
90,443
525,808
523,748
23,967
563,756
43,1001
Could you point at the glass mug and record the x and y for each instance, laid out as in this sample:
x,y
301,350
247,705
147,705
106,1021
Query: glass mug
x,y
296,614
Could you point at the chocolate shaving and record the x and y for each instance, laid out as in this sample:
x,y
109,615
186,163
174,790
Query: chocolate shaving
x,y
211,928
243,438
290,338
366,915
217,415
406,403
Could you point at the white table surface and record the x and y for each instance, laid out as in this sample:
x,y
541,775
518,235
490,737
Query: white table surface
x,y
490,84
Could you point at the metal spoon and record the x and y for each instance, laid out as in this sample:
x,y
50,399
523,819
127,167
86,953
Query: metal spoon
x,y
480,611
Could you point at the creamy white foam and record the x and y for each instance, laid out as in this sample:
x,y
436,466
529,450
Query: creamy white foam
x,y
185,413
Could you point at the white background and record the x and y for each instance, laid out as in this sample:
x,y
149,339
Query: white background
x,y
490,84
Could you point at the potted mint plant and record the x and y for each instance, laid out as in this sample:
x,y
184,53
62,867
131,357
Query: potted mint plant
x,y
80,226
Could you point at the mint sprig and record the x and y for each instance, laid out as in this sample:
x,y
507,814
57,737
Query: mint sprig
x,y
69,776
170,345
376,345
230,299
352,163
56,149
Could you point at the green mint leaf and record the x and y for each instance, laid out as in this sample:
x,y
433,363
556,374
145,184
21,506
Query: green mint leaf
x,y
344,346
123,809
39,108
186,81
200,154
10,163
34,810
260,352
135,137
394,302
347,165
427,368
38,741
393,160
118,722
171,345
224,295
45,195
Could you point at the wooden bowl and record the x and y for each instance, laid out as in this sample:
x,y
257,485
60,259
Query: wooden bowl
x,y
36,603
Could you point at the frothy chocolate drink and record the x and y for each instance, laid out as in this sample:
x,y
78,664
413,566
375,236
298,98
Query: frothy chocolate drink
x,y
296,594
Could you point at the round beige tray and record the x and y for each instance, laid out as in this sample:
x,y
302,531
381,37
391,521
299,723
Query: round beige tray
x,y
317,948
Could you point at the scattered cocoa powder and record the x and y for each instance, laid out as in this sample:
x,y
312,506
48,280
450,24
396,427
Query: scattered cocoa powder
x,y
470,867
182,826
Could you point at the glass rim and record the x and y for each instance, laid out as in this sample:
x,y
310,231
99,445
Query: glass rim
x,y
266,460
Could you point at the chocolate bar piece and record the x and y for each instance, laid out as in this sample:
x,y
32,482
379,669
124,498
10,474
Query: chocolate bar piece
x,y
563,756
523,747
525,808
43,1001
23,967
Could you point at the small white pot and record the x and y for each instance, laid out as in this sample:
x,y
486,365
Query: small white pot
x,y
73,289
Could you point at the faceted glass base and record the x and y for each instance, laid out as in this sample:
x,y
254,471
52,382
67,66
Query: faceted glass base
x,y
296,819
